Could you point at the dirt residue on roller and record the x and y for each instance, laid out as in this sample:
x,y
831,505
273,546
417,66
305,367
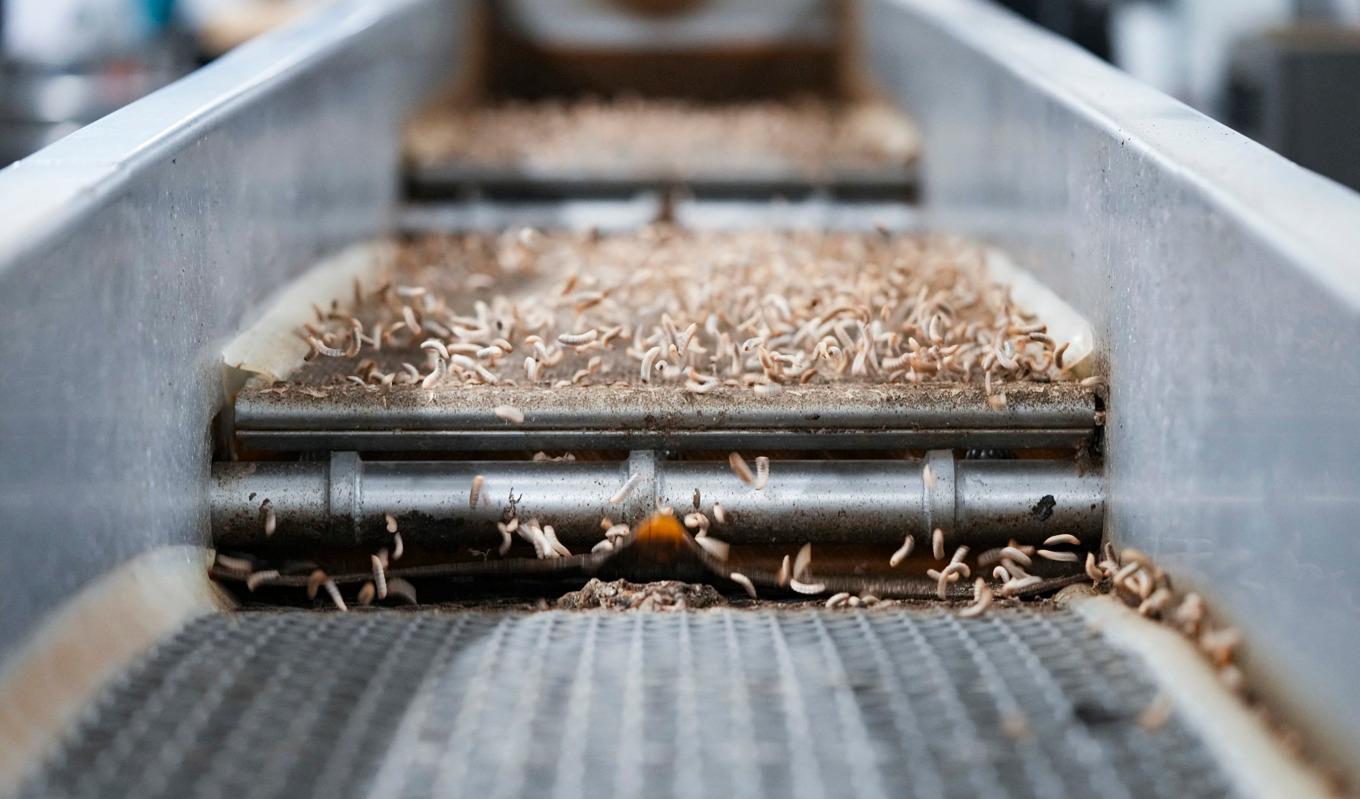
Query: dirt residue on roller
x,y
623,595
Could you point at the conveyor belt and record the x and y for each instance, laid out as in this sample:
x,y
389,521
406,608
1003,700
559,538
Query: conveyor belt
x,y
780,703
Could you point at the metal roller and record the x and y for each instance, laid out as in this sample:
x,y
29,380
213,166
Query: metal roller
x,y
841,417
342,503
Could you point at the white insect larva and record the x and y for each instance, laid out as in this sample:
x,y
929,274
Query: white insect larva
x,y
903,552
1058,356
617,531
982,599
259,578
1065,557
625,490
233,564
1141,583
933,330
928,477
989,556
506,540
719,515
1000,573
713,546
606,523
435,345
806,588
1090,382
1020,584
1126,571
510,414
743,581
649,362
531,531
1062,538
802,561
959,554
740,469
604,545
379,576
334,591
270,520
314,581
329,352
1155,603
402,589
366,594
950,574
937,543
837,600
781,578
398,547
475,492
697,521
762,473
550,535
1220,645
1092,570
1015,554
767,389
391,522
576,339
436,376
531,369
1190,613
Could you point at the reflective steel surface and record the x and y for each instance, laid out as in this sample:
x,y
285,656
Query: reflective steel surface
x,y
1224,284
132,250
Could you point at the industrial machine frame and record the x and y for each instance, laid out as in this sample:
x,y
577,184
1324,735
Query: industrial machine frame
x,y
1223,283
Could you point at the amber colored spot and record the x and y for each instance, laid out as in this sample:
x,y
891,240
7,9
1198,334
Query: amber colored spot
x,y
661,529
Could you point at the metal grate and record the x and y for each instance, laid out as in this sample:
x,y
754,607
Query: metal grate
x,y
786,703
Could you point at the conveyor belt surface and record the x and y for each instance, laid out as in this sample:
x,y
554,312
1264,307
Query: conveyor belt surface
x,y
764,702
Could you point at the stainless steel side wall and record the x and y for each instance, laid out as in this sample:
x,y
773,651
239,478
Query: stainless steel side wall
x,y
1225,286
132,250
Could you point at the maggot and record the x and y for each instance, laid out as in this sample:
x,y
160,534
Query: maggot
x,y
740,469
714,547
762,473
510,414
982,599
379,576
625,490
267,516
903,552
256,579
1062,538
1065,557
743,581
334,591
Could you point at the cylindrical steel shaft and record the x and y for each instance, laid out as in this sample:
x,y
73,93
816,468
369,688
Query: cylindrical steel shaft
x,y
343,502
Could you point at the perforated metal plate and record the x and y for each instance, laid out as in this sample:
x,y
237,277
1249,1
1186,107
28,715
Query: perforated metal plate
x,y
743,703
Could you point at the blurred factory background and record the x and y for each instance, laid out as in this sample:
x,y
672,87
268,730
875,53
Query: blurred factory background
x,y
1286,72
